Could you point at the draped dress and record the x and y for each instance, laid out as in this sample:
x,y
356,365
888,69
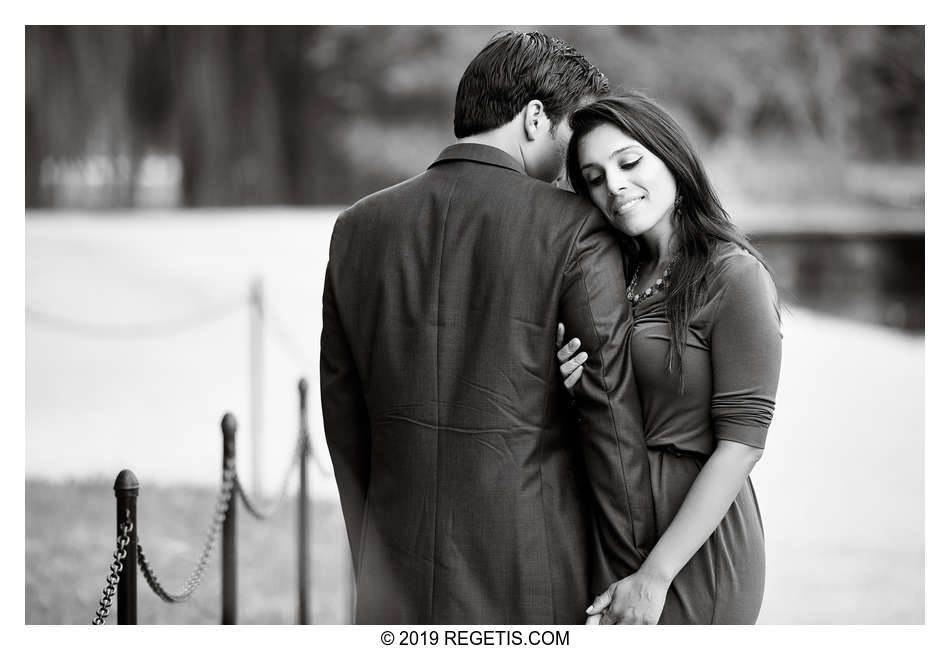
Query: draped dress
x,y
732,360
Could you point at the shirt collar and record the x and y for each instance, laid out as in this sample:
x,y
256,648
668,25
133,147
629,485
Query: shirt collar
x,y
480,153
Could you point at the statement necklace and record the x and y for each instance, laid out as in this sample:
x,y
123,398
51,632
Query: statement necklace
x,y
661,283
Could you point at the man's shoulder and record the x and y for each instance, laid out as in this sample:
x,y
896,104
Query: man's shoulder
x,y
384,197
553,208
513,190
541,191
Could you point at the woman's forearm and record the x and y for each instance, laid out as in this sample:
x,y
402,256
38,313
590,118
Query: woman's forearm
x,y
706,503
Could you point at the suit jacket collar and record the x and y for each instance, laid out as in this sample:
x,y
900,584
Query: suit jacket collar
x,y
480,153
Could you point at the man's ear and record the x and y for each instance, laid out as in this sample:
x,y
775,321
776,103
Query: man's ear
x,y
535,120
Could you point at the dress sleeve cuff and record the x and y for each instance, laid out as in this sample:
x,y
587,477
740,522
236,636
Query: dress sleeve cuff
x,y
754,436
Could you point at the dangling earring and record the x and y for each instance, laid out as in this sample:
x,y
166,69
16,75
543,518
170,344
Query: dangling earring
x,y
677,203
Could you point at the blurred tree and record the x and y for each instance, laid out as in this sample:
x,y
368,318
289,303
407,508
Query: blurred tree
x,y
75,86
886,78
324,114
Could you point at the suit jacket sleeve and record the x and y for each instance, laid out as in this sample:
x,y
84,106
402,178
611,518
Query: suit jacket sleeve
x,y
594,309
345,416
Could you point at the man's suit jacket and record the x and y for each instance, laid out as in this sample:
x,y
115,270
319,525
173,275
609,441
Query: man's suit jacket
x,y
462,481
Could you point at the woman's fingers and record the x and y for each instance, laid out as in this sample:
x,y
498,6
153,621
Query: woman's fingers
x,y
573,364
573,378
601,602
568,350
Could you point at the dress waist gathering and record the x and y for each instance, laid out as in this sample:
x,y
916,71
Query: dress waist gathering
x,y
678,452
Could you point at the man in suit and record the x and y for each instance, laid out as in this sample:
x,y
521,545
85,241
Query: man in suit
x,y
469,495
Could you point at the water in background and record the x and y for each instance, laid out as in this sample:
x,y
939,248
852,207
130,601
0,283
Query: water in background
x,y
870,277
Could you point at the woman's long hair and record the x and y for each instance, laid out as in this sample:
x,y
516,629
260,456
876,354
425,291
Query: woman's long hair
x,y
699,221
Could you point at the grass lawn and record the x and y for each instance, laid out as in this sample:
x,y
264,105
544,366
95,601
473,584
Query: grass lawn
x,y
70,539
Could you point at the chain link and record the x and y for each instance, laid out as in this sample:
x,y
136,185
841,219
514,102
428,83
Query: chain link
x,y
228,482
112,581
301,449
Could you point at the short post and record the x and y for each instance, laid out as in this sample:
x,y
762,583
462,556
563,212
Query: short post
x,y
229,533
126,489
303,516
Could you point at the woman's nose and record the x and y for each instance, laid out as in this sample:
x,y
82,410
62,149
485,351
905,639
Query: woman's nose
x,y
616,183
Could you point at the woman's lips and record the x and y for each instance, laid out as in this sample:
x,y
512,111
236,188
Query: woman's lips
x,y
627,204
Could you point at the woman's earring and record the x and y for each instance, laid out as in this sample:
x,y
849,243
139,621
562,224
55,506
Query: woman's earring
x,y
677,203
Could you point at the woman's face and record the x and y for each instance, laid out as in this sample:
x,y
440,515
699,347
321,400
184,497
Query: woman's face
x,y
631,186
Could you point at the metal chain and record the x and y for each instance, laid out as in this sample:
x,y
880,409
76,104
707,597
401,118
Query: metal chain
x,y
301,449
134,330
105,603
228,481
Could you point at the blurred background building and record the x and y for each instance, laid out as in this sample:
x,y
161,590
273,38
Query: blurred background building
x,y
170,169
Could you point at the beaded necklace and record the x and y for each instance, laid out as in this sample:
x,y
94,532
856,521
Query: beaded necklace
x,y
661,283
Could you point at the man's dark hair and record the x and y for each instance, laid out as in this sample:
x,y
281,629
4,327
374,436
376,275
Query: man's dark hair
x,y
515,68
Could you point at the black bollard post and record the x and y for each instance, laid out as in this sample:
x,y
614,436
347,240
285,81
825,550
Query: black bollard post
x,y
229,533
303,516
126,489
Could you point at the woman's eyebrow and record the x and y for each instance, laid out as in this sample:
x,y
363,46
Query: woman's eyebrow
x,y
622,149
618,151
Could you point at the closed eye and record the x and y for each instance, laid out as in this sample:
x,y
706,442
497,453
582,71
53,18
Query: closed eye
x,y
629,165
595,181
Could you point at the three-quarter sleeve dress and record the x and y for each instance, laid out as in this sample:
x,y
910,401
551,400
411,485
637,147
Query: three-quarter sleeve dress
x,y
732,360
